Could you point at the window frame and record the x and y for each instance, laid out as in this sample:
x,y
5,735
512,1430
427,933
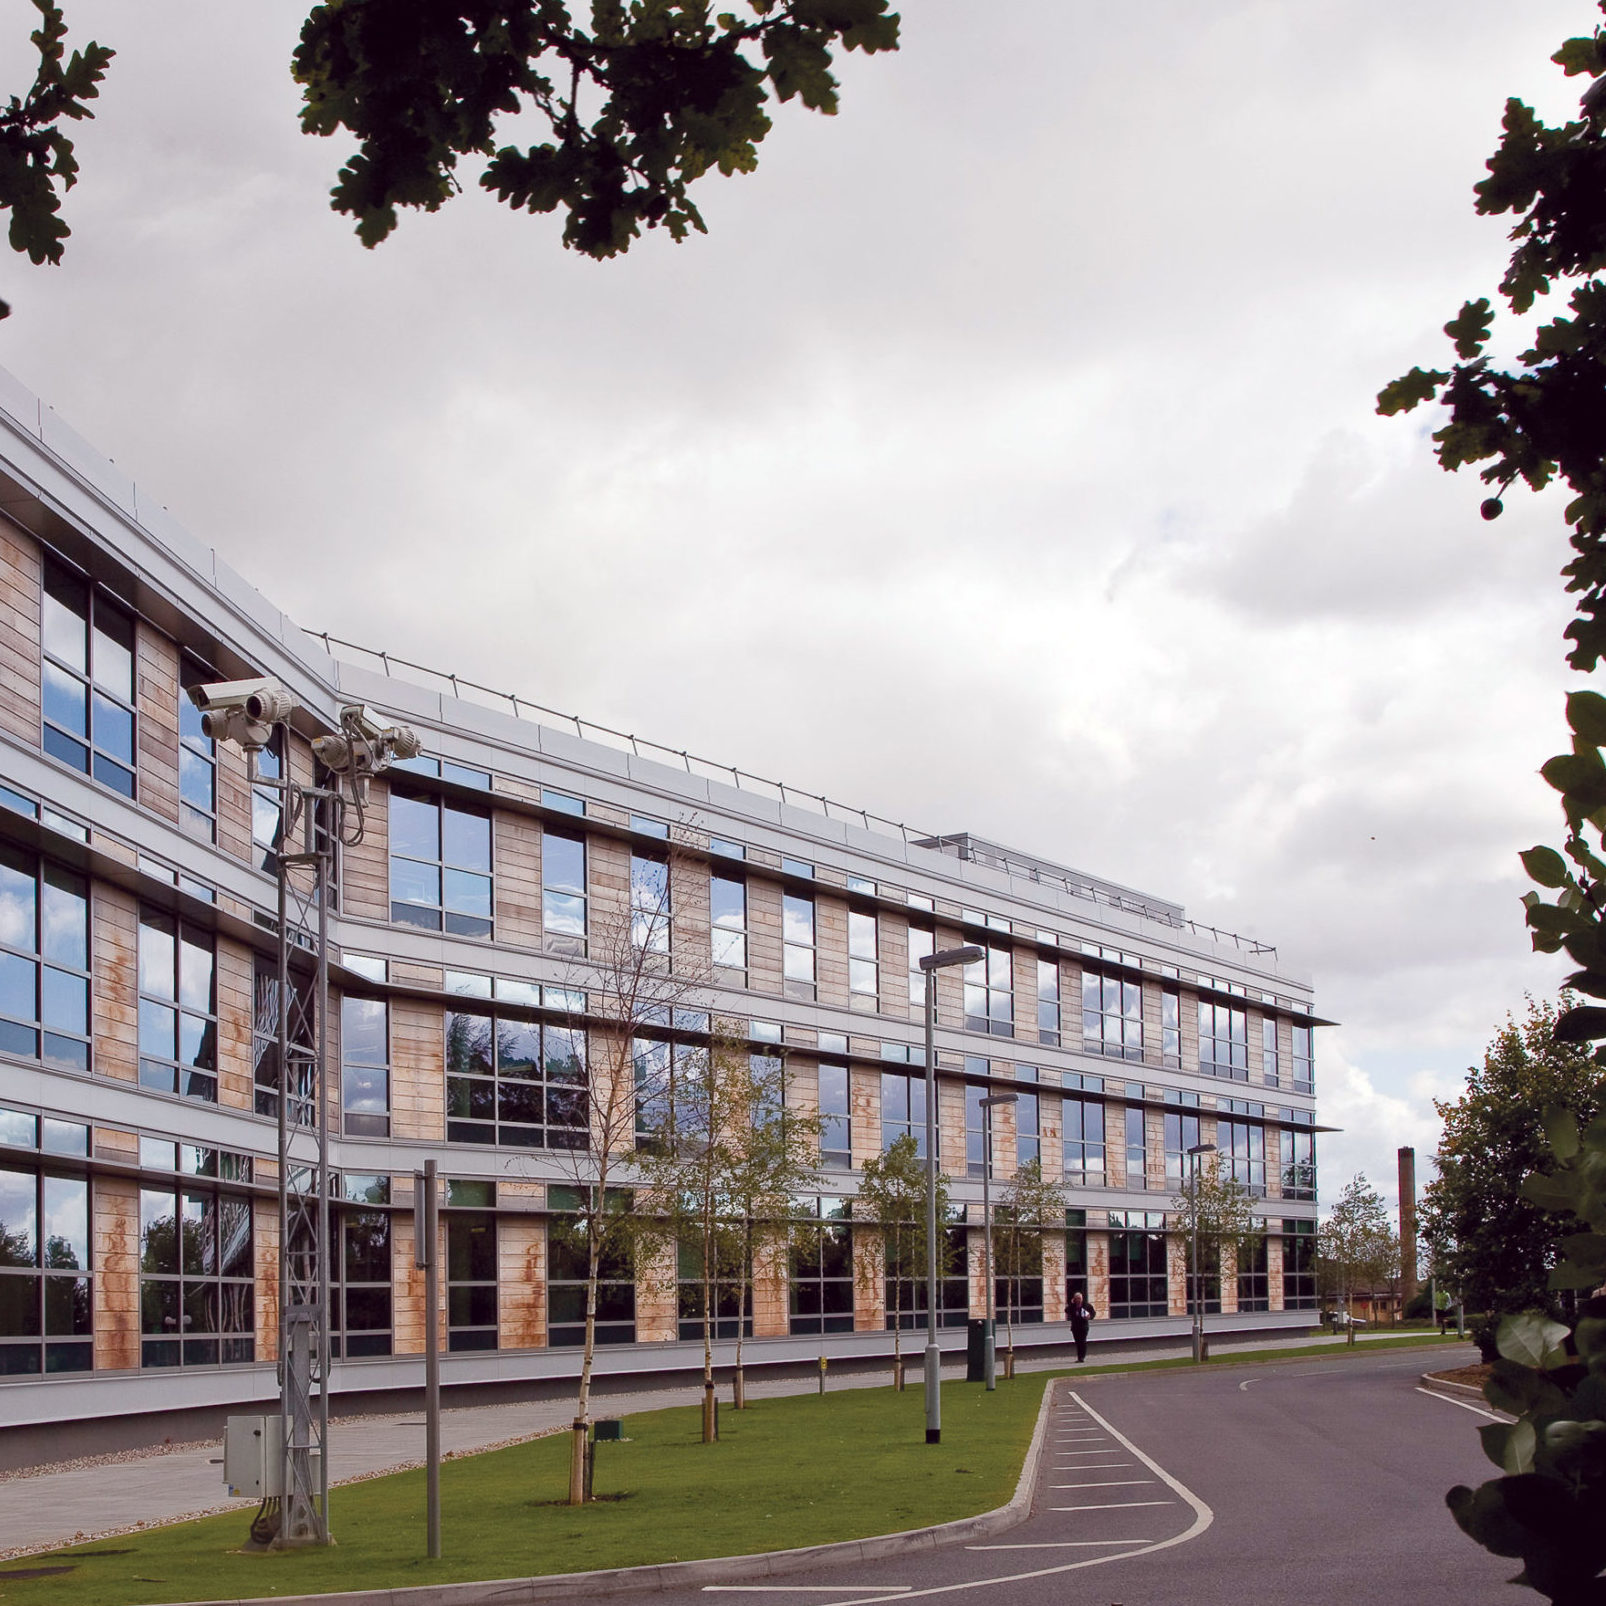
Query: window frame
x,y
88,682
55,1041
190,1078
60,1352
440,914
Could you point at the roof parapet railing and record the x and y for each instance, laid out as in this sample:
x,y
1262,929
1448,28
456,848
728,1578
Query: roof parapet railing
x,y
745,781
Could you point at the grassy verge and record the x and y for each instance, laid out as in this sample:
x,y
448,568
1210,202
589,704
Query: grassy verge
x,y
795,1471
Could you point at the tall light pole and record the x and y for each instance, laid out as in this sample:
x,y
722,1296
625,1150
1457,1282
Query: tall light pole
x,y
990,1350
1196,1292
931,964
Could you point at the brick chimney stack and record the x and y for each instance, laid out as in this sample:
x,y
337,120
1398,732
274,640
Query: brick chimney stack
x,y
1407,1226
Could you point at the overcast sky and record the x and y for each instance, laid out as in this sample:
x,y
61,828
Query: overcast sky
x,y
1004,459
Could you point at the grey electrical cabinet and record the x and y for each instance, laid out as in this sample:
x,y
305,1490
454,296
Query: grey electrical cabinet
x,y
253,1456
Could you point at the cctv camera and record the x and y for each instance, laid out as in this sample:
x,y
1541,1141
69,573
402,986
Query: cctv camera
x,y
364,746
242,711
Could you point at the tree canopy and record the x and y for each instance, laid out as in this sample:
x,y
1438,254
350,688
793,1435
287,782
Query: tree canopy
x,y
1490,1240
635,104
1356,1243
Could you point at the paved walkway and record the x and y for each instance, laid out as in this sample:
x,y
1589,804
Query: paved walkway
x,y
47,1507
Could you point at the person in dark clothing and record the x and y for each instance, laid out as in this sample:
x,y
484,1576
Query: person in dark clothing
x,y
1080,1313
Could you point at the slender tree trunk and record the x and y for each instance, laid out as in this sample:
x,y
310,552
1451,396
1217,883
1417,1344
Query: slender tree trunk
x,y
582,1416
710,1285
745,1285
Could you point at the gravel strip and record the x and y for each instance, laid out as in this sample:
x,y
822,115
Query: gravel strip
x,y
108,1458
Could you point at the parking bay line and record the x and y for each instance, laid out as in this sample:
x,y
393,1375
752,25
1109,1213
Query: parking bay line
x,y
1062,1544
1115,1505
1203,1516
1105,1483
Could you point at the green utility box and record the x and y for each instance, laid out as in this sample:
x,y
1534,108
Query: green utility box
x,y
609,1427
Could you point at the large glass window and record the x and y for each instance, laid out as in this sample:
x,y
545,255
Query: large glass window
x,y
1243,1154
1299,1163
922,945
836,1142
177,1008
365,1066
470,1280
978,1162
197,760
1137,1149
1138,1281
649,902
1223,1040
1112,1015
1048,1002
727,907
906,1279
1304,1061
732,1293
265,1040
903,1110
1270,1060
990,994
1206,1284
195,1276
517,1083
1171,1028
797,931
1017,1272
1254,1283
864,959
88,681
1181,1134
670,1092
1299,1265
1084,1142
1076,1258
563,892
267,803
822,1272
566,1291
44,960
46,1310
440,864
360,1271
1028,1129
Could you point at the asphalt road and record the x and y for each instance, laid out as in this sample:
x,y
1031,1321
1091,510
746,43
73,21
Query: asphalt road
x,y
1299,1484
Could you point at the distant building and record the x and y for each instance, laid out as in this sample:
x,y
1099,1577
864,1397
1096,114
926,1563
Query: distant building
x,y
138,1226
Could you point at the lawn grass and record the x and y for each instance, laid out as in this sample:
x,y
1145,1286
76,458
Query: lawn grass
x,y
794,1471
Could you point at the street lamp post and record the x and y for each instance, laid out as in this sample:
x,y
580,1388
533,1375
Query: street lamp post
x,y
1196,1292
990,1351
931,964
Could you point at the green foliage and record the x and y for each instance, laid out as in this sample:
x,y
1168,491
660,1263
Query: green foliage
x,y
1544,416
37,165
1357,1246
637,106
1493,1237
1547,1507
892,1195
1225,1208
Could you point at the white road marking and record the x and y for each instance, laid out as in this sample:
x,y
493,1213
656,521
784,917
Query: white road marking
x,y
1477,1410
1104,1483
1065,1455
795,1589
1203,1516
1062,1544
1115,1505
1246,1382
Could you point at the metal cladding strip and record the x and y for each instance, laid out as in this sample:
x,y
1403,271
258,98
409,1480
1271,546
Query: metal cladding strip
x,y
684,1574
